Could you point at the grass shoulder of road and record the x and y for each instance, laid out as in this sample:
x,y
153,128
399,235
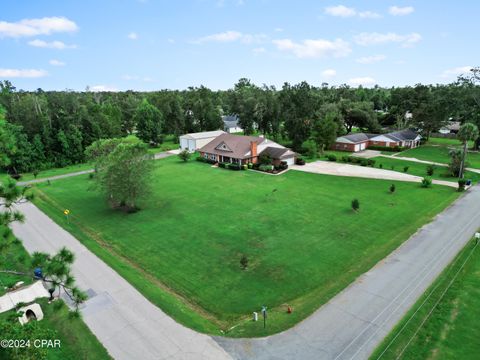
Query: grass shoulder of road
x,y
303,241
440,154
443,324
77,341
420,169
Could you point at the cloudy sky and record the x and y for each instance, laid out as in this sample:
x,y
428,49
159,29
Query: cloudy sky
x,y
157,44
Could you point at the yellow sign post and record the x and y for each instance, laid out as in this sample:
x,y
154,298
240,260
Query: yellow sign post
x,y
66,212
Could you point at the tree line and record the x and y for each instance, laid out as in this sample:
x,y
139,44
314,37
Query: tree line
x,y
44,129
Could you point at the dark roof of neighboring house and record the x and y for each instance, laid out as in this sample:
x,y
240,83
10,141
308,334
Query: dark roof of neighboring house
x,y
230,121
356,138
275,152
236,146
402,135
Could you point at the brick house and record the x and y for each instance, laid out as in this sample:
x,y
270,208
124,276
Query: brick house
x,y
361,141
244,149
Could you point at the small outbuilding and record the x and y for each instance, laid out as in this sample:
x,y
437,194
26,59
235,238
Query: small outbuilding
x,y
30,312
230,124
194,141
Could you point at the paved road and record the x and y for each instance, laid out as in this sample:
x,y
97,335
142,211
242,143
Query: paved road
x,y
128,325
341,169
354,322
350,326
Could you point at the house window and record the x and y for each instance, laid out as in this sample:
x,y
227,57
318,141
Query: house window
x,y
213,157
205,156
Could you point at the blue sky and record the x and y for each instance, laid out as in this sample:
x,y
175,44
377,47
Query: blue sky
x,y
157,44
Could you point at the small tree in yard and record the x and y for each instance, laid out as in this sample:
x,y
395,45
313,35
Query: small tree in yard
x,y
184,155
244,262
392,188
355,204
467,132
461,184
430,170
405,168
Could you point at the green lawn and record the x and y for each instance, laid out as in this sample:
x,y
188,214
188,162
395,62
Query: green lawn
x,y
452,331
303,242
16,259
440,154
419,169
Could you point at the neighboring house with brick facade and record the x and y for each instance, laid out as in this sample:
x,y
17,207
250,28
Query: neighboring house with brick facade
x,y
244,149
361,141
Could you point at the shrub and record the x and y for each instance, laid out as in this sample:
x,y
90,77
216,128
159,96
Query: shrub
x,y
355,204
244,167
35,173
184,155
461,184
355,160
234,166
332,157
345,158
426,182
430,170
250,165
405,168
244,262
222,165
371,162
392,167
300,161
392,188
200,158
380,166
91,175
265,167
363,162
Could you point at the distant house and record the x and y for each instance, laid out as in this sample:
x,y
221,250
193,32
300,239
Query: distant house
x,y
452,128
230,124
194,141
361,141
244,149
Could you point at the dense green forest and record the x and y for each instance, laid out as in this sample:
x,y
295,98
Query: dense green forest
x,y
44,129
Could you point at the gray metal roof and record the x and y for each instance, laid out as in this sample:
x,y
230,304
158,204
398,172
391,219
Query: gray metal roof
x,y
230,121
402,135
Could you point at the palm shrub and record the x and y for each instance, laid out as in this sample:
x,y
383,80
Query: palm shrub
x,y
405,168
184,155
392,188
461,184
426,182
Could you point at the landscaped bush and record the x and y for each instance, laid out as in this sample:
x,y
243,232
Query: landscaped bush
x,y
380,166
392,188
354,160
355,204
426,182
250,165
461,184
371,162
222,165
300,161
405,168
244,167
387,148
265,167
430,170
363,162
200,158
345,158
332,157
234,166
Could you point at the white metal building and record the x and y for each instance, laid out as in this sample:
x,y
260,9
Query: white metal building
x,y
194,141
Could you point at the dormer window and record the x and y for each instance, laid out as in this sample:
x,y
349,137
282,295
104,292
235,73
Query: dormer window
x,y
223,147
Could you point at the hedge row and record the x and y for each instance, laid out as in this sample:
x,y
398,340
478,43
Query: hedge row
x,y
387,148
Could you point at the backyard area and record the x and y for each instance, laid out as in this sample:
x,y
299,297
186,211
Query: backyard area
x,y
451,330
302,240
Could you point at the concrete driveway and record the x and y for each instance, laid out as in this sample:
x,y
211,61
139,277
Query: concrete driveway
x,y
341,169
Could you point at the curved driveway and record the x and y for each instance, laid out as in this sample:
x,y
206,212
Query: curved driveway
x,y
349,326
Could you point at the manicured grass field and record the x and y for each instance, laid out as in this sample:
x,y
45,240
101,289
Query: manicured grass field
x,y
303,242
440,154
419,169
452,331
16,259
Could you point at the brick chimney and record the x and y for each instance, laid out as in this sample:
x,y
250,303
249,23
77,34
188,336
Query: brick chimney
x,y
253,151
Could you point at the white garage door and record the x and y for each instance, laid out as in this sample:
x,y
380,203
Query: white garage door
x,y
357,147
362,146
191,145
290,161
184,144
